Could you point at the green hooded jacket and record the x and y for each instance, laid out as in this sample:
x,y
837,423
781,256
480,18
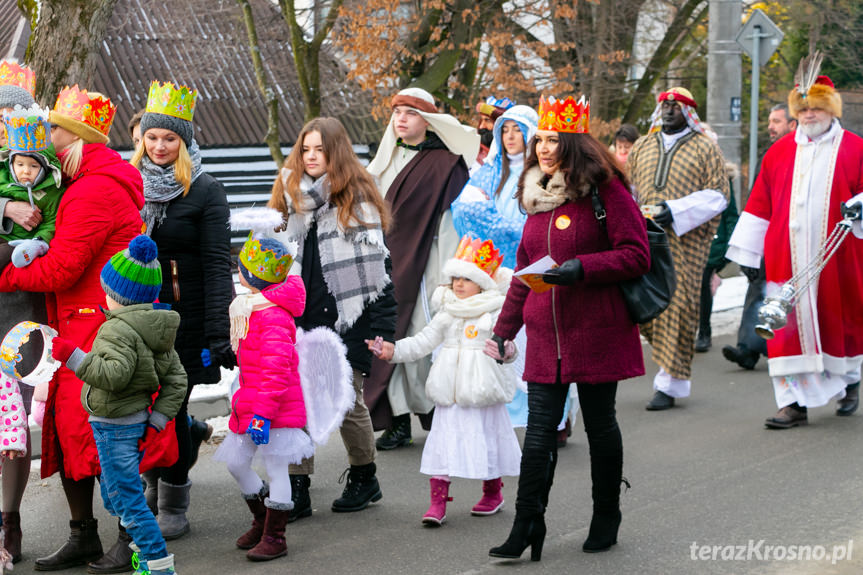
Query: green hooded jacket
x,y
46,196
132,356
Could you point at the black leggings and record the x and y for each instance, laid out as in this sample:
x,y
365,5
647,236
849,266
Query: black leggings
x,y
539,454
178,474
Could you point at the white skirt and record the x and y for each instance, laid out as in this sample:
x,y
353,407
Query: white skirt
x,y
471,442
289,444
811,389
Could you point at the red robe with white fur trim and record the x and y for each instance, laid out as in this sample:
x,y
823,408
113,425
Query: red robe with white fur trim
x,y
838,313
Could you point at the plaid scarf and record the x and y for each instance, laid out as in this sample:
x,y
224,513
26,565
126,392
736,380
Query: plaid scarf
x,y
352,259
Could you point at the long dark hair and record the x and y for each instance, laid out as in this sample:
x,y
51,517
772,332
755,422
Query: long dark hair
x,y
584,161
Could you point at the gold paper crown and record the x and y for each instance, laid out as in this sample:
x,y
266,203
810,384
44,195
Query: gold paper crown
x,y
27,129
566,116
482,254
264,264
87,116
176,101
14,74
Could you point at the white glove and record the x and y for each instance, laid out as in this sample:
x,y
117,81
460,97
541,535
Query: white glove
x,y
26,251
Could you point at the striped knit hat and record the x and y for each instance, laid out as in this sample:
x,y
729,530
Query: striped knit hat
x,y
134,275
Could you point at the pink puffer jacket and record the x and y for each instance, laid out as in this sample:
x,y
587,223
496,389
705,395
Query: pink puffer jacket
x,y
269,380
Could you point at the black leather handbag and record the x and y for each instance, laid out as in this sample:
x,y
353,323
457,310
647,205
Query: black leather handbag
x,y
649,295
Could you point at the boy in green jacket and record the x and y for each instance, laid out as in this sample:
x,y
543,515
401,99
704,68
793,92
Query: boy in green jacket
x,y
132,358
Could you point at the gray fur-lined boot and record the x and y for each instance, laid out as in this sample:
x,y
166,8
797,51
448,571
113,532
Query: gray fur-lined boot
x,y
173,504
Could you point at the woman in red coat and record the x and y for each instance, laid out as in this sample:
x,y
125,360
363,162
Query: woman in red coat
x,y
97,217
579,330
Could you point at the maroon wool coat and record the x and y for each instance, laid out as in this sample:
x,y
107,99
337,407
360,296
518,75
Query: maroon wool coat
x,y
585,325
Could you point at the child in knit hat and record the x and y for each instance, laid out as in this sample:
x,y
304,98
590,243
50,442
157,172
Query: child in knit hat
x,y
29,172
132,359
268,411
471,434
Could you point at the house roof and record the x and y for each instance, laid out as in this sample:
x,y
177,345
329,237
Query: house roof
x,y
203,44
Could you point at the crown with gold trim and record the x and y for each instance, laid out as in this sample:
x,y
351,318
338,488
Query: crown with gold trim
x,y
171,100
27,129
565,116
482,254
263,263
96,112
14,74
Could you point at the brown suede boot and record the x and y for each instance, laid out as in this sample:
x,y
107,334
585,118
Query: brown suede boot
x,y
12,534
82,547
272,544
259,513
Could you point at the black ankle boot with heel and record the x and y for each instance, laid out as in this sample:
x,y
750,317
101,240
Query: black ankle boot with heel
x,y
526,532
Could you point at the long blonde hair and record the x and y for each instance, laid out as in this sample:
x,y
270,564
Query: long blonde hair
x,y
71,157
350,183
182,165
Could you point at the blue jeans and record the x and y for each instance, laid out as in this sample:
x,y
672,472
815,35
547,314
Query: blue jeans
x,y
121,486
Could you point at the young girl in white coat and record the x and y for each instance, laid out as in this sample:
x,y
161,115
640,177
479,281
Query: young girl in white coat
x,y
471,434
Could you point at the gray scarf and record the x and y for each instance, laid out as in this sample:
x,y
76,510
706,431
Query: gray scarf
x,y
161,186
352,260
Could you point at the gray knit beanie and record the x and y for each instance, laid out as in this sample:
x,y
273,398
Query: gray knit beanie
x,y
182,128
11,95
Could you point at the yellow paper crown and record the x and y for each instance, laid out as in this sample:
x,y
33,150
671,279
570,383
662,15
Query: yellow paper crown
x,y
27,129
264,263
94,112
566,116
176,101
14,74
482,254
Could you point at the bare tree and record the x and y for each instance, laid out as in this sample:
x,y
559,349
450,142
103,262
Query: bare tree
x,y
65,41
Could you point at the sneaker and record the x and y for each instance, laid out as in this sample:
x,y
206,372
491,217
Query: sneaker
x,y
361,489
398,435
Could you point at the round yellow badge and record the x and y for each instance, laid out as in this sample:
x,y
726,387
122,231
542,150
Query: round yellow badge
x,y
470,331
562,222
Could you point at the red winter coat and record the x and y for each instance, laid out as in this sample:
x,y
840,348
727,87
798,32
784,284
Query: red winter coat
x,y
586,325
97,217
269,380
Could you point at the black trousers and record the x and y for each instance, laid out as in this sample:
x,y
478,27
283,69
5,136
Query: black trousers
x,y
539,454
746,337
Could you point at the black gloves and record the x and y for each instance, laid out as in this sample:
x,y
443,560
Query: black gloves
x,y
500,346
664,217
750,273
222,354
568,273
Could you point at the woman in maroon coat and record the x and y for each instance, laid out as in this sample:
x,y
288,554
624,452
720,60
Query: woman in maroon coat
x,y
579,330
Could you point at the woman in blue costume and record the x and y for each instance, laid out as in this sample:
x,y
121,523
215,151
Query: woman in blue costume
x,y
487,209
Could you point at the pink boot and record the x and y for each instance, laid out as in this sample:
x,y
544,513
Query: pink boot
x,y
492,499
436,514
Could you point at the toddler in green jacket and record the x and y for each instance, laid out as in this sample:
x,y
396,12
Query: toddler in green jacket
x,y
132,358
29,172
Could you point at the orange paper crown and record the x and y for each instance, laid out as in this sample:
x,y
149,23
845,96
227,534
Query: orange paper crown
x,y
97,112
566,116
481,254
14,74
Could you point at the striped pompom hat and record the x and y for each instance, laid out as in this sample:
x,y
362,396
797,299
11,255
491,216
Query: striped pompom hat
x,y
134,275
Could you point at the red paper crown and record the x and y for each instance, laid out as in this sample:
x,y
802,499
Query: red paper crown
x,y
96,112
564,115
14,74
481,254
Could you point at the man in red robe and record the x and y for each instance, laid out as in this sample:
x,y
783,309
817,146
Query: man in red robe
x,y
794,205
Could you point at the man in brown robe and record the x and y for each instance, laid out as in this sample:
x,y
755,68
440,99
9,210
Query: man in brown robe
x,y
421,166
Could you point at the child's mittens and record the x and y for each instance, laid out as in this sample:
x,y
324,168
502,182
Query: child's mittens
x,y
62,349
37,411
26,251
259,430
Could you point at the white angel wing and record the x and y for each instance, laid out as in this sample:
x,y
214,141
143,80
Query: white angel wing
x,y
327,381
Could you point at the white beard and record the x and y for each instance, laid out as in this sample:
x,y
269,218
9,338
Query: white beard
x,y
814,130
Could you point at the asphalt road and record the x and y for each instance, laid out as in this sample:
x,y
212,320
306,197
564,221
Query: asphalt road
x,y
712,492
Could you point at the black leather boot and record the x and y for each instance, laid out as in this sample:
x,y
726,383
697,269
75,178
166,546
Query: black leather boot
x,y
118,559
526,532
362,488
848,404
301,498
82,547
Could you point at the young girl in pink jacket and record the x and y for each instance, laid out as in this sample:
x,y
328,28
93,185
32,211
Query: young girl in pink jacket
x,y
268,412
